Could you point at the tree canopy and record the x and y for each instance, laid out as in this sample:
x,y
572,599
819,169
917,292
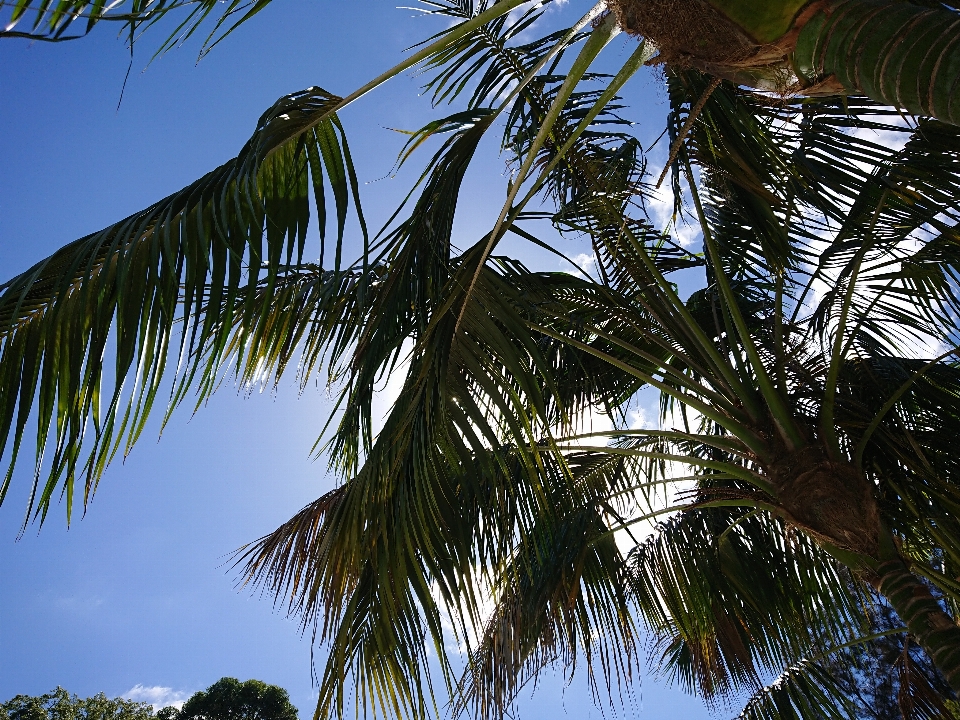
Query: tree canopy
x,y
61,705
226,699
230,699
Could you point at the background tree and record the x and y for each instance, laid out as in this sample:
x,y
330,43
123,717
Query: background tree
x,y
61,705
230,699
890,676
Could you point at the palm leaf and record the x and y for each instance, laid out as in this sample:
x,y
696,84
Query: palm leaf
x,y
194,250
729,594
72,19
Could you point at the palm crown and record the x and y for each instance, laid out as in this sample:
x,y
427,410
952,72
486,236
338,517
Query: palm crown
x,y
808,390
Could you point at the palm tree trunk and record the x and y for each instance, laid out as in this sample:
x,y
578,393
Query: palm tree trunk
x,y
834,503
890,50
893,51
933,629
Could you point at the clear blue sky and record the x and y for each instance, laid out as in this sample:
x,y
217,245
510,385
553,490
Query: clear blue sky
x,y
136,592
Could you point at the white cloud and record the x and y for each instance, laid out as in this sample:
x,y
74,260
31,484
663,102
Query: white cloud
x,y
586,262
637,418
660,207
159,697
894,140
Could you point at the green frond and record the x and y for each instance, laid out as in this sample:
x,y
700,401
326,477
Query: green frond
x,y
399,527
561,600
809,187
489,59
103,310
441,501
72,19
805,690
829,270
909,452
729,593
419,254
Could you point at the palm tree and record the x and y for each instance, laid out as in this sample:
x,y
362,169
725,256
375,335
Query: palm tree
x,y
809,387
826,375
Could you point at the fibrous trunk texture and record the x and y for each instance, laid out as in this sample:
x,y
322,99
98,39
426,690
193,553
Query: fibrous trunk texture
x,y
831,500
686,31
893,51
721,38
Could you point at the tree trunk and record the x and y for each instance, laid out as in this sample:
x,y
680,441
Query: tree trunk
x,y
834,502
933,629
893,51
831,501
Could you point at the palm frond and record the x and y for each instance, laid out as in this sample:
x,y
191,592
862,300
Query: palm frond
x,y
815,189
405,523
419,253
73,19
489,59
569,607
730,593
242,223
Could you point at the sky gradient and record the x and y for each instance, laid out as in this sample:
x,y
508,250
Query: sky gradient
x,y
139,592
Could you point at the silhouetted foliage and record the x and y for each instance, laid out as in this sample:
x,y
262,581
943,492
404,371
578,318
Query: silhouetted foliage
x,y
891,677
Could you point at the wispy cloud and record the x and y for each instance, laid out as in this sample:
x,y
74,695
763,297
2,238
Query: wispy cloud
x,y
80,604
159,697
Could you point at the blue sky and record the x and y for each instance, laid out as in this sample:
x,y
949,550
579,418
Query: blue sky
x,y
136,593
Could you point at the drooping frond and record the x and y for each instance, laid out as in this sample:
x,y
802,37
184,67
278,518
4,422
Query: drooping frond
x,y
829,271
832,192
562,596
400,543
729,593
183,260
487,61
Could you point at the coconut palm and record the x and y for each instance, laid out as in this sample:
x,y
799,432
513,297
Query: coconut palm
x,y
731,592
809,393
